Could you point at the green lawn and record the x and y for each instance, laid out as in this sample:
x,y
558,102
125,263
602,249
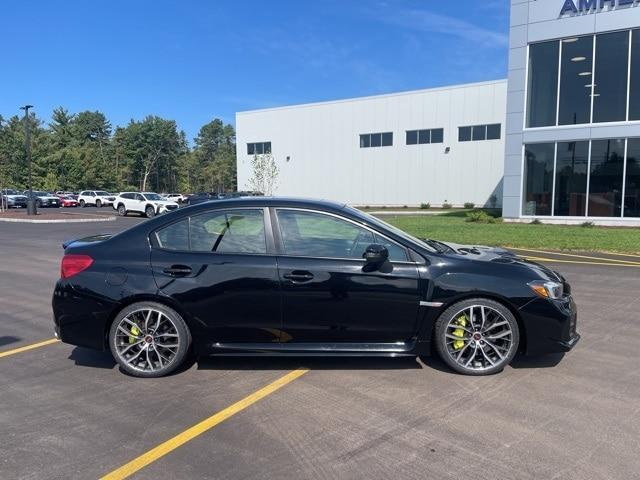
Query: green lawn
x,y
453,228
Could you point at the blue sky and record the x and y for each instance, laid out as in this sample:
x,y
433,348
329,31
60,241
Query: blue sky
x,y
193,60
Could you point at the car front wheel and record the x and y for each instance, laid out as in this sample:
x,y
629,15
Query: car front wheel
x,y
122,211
150,211
149,340
477,336
82,203
98,204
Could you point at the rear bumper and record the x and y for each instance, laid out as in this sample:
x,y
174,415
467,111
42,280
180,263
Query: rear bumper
x,y
550,325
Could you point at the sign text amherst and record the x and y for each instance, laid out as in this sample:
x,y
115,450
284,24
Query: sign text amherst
x,y
590,6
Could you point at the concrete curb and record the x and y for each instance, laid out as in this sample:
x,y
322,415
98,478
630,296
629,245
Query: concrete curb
x,y
66,220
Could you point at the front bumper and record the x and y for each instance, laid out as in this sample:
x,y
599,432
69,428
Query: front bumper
x,y
550,325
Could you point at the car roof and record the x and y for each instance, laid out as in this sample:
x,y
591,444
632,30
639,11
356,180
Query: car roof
x,y
273,202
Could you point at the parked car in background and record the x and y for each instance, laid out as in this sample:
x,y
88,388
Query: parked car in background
x,y
146,203
200,197
44,199
67,201
175,197
271,276
97,198
10,198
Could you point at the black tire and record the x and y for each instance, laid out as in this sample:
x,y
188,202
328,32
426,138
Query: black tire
x,y
479,365
184,341
98,203
150,212
122,211
83,204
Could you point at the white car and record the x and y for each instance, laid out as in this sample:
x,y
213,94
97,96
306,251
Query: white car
x,y
98,198
147,203
175,197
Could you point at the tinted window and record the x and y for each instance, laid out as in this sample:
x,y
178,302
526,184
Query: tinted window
x,y
634,94
605,182
230,231
175,236
311,234
396,252
251,149
632,190
479,132
267,147
538,179
376,139
412,137
437,135
365,141
464,134
575,74
259,148
387,139
571,178
493,132
610,91
542,85
424,136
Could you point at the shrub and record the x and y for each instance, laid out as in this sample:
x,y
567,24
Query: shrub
x,y
588,224
383,206
479,216
446,205
425,206
535,221
405,206
469,205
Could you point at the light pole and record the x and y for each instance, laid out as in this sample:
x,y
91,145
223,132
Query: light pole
x,y
31,204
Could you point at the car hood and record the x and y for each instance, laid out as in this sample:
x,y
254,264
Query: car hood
x,y
483,253
164,202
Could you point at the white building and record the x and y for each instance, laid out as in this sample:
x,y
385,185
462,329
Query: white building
x,y
426,146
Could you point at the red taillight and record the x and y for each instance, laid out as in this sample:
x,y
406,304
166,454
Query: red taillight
x,y
74,264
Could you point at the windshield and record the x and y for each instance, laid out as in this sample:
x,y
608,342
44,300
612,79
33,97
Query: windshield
x,y
153,196
380,223
102,194
9,191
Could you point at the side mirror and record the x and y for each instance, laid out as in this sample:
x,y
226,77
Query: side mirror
x,y
375,254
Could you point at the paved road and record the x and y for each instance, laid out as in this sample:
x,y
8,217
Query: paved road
x,y
67,412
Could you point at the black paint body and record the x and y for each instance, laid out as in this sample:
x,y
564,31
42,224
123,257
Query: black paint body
x,y
247,304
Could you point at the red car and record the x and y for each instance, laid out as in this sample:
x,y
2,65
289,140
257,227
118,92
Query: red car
x,y
67,201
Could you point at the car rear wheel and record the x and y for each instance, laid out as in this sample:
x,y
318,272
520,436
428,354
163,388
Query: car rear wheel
x,y
149,340
122,211
150,211
477,336
82,204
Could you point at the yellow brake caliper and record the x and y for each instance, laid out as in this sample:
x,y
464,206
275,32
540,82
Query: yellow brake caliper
x,y
459,332
135,331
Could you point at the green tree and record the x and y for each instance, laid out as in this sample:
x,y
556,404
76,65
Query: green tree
x,y
214,155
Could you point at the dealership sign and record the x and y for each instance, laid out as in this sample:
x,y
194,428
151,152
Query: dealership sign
x,y
590,6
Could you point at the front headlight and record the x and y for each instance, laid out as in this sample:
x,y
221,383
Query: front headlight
x,y
553,290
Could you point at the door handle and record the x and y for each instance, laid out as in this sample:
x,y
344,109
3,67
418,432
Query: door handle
x,y
178,270
299,276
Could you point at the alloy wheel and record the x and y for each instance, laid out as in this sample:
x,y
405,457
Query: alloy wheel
x,y
147,340
479,338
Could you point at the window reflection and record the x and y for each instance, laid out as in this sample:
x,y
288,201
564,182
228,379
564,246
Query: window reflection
x,y
543,84
575,81
610,89
571,178
538,179
605,182
632,190
634,94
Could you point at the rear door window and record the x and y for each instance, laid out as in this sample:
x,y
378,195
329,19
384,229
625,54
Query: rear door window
x,y
229,231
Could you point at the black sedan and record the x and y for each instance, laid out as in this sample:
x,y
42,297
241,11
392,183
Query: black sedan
x,y
268,276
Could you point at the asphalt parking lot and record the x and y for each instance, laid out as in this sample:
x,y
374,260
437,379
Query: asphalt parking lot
x,y
67,412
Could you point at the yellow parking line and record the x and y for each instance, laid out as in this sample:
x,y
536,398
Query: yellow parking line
x,y
166,447
6,353
623,254
578,256
552,260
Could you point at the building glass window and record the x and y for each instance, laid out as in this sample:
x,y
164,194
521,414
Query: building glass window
x,y
610,89
412,137
493,131
437,135
634,94
538,179
632,188
542,84
575,81
258,148
376,140
605,181
479,133
424,136
571,178
464,134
